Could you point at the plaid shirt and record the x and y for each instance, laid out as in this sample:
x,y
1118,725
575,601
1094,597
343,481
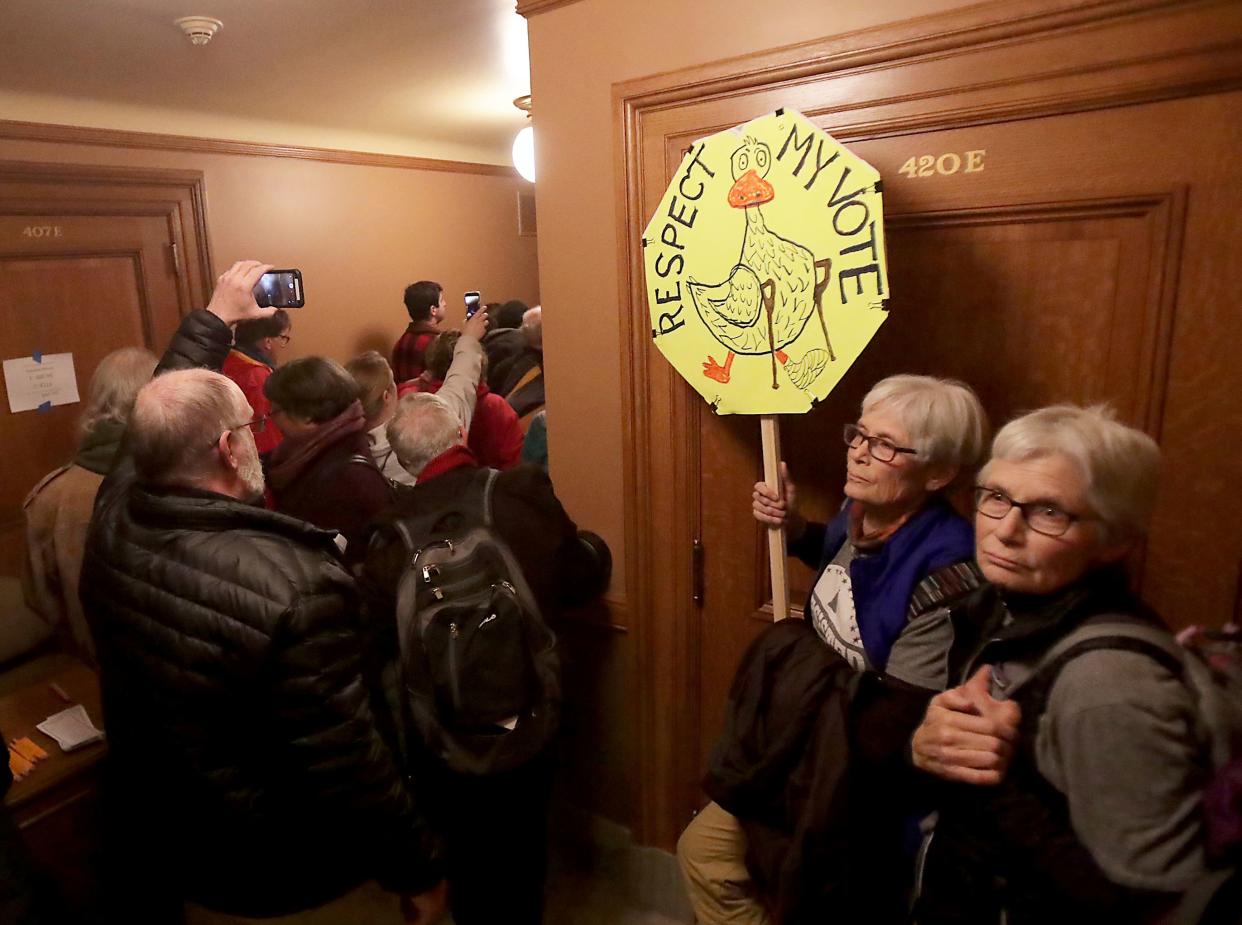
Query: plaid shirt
x,y
407,355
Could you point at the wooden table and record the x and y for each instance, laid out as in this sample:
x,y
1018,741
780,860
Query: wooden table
x,y
56,805
61,777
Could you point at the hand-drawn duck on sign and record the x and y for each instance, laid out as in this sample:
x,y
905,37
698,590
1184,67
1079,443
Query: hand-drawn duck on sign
x,y
773,289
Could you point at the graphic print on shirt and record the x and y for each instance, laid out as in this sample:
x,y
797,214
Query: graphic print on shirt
x,y
832,615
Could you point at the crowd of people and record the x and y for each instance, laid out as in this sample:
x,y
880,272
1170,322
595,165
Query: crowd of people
x,y
974,723
232,519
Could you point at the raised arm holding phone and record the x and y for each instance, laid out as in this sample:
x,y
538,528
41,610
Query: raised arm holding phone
x,y
232,657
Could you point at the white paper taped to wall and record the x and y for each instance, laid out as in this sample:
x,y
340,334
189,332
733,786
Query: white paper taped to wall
x,y
40,381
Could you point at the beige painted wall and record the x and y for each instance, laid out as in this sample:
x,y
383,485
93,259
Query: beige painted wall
x,y
359,234
577,53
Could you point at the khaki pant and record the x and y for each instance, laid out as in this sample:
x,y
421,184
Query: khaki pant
x,y
712,855
367,905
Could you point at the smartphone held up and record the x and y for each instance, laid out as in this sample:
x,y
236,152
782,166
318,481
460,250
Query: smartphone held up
x,y
472,303
280,289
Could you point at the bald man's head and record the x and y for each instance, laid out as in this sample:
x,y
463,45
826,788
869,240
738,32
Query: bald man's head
x,y
176,426
532,327
423,428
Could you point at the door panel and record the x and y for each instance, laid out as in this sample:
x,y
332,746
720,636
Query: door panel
x,y
85,284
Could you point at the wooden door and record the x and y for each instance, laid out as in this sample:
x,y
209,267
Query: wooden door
x,y
1085,257
84,271
1057,289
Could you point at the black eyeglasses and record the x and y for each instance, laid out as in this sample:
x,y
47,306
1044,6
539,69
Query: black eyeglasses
x,y
880,448
1041,516
257,426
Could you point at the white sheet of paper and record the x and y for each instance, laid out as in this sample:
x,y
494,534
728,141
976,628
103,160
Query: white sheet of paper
x,y
71,728
50,380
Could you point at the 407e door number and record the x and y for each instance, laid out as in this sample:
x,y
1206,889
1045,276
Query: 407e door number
x,y
929,165
43,231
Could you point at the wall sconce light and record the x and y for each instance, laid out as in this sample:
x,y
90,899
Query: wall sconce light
x,y
524,143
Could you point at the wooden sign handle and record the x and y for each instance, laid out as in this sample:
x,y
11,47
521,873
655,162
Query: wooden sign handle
x,y
770,428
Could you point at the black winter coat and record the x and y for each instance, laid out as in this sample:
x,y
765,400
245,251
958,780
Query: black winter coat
x,y
1010,851
244,734
812,763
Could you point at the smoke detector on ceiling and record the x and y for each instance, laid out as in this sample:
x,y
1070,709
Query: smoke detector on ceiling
x,y
199,29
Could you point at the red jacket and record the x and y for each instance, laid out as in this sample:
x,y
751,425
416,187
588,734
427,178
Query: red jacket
x,y
250,374
408,354
495,435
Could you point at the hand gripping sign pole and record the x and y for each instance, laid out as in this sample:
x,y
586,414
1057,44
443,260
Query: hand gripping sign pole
x,y
770,428
766,276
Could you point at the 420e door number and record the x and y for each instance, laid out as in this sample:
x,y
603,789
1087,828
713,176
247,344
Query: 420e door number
x,y
929,165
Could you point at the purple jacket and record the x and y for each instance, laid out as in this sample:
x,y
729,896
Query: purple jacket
x,y
882,583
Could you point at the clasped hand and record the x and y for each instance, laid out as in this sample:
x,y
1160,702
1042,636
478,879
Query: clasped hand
x,y
966,735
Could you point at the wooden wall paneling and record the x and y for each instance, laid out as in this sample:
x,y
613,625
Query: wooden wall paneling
x,y
661,427
983,64
1112,232
737,585
1058,299
667,648
1194,550
598,724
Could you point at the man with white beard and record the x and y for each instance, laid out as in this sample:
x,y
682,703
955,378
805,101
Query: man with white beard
x,y
251,771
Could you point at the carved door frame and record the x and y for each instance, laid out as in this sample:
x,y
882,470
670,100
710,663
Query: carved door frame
x,y
992,63
177,196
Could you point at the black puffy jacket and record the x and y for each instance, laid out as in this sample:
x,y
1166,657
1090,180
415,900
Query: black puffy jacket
x,y
245,735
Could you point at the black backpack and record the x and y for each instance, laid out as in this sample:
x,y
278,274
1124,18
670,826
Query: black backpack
x,y
478,663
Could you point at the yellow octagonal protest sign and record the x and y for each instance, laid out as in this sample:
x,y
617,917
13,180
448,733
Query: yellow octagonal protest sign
x,y
766,273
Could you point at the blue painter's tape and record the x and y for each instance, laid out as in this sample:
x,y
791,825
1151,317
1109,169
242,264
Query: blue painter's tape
x,y
37,356
44,408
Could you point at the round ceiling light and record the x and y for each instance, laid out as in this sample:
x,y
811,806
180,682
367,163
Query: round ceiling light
x,y
524,153
524,143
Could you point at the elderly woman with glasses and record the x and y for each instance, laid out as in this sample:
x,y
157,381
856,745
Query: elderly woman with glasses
x,y
916,437
1071,721
896,551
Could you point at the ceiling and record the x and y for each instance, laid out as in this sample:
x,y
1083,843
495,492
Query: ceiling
x,y
434,78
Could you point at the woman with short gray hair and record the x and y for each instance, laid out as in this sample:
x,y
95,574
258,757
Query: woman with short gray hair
x,y
943,417
1071,715
894,552
58,509
1121,464
423,428
917,437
